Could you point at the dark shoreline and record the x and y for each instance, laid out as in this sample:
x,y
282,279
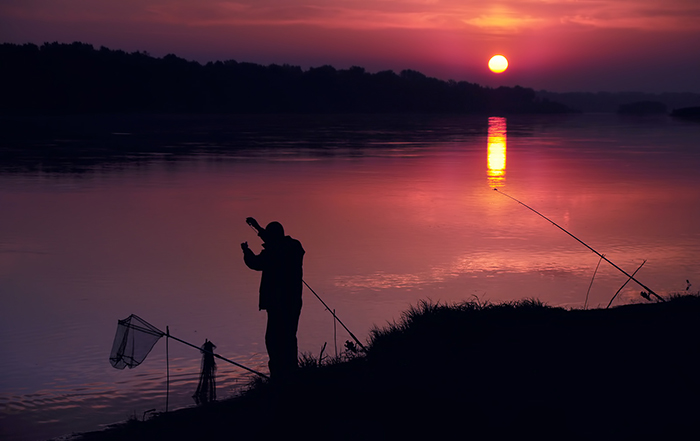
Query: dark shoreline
x,y
515,370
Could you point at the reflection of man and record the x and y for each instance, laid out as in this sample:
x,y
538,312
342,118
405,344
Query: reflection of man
x,y
280,293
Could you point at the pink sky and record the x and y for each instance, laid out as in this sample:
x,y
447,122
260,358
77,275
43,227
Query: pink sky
x,y
557,45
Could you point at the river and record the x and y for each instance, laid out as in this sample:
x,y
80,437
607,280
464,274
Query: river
x,y
148,219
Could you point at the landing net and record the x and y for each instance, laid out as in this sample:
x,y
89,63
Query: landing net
x,y
134,340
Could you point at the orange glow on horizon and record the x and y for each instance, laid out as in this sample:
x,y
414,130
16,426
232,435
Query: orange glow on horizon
x,y
446,40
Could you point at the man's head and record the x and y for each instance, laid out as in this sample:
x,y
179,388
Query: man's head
x,y
273,232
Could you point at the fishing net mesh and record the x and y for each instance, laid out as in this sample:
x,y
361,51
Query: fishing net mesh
x,y
206,389
134,340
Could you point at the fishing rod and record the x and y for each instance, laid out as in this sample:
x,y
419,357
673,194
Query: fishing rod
x,y
168,335
324,304
335,316
631,277
625,284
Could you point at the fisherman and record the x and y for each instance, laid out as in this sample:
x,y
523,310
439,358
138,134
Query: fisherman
x,y
280,293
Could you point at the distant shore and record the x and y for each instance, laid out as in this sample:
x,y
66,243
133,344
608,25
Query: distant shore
x,y
477,371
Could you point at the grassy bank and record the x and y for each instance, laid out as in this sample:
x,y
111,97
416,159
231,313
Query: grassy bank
x,y
516,370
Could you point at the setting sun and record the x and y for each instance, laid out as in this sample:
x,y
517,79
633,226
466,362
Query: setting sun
x,y
498,63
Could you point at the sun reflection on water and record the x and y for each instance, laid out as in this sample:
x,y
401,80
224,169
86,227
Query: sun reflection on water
x,y
496,151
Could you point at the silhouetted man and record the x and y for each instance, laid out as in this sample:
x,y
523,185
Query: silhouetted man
x,y
280,293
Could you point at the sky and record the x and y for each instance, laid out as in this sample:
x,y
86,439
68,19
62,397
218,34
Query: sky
x,y
556,45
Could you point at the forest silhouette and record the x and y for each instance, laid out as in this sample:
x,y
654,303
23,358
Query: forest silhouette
x,y
57,78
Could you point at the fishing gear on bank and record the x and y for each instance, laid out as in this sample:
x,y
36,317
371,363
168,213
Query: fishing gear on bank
x,y
631,277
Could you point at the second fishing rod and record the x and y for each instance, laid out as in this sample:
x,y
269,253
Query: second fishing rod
x,y
257,228
631,277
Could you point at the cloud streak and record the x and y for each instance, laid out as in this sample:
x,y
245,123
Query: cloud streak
x,y
501,16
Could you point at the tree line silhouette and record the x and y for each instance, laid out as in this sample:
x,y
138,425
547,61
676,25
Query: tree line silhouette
x,y
77,78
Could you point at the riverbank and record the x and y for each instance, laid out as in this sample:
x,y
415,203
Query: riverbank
x,y
470,370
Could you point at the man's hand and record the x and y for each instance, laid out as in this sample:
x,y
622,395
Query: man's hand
x,y
253,223
244,246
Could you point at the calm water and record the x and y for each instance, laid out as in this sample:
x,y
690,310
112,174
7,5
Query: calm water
x,y
390,211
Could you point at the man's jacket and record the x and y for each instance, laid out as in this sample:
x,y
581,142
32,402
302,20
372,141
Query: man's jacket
x,y
281,266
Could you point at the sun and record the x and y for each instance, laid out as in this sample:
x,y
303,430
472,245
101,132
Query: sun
x,y
498,63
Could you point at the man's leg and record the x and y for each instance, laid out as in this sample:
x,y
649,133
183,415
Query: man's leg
x,y
274,343
291,349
